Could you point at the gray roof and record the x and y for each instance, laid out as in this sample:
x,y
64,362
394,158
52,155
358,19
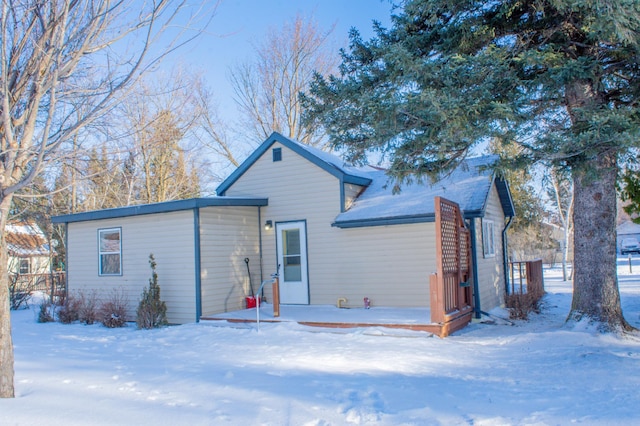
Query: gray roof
x,y
164,207
468,185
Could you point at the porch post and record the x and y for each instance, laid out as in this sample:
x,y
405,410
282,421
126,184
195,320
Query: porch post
x,y
474,269
436,299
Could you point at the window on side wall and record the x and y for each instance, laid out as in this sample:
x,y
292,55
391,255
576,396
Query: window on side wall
x,y
24,266
488,238
110,251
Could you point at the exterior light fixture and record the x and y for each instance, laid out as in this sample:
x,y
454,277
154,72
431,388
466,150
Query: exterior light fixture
x,y
268,225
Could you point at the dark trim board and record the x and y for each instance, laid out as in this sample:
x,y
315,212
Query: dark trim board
x,y
399,220
166,207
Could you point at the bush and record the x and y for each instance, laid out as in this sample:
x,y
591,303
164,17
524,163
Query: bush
x,y
19,291
113,312
69,310
46,312
151,312
88,307
521,305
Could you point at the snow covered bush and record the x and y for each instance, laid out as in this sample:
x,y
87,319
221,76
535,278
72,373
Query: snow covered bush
x,y
113,311
152,311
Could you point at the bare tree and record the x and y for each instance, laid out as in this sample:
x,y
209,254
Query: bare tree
x,y
164,157
213,134
267,88
560,190
63,64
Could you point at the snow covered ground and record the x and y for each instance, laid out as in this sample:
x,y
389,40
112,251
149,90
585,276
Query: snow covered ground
x,y
539,372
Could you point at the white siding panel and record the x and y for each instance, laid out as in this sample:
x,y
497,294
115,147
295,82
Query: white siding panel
x,y
351,192
169,236
228,236
491,269
388,264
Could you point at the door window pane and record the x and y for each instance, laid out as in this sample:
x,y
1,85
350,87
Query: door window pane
x,y
291,254
291,239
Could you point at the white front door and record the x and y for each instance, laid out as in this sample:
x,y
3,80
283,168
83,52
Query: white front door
x,y
291,242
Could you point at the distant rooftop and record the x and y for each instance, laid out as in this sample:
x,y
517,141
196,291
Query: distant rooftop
x,y
26,239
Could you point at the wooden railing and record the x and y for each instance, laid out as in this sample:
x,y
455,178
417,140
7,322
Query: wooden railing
x,y
49,283
450,293
448,300
527,278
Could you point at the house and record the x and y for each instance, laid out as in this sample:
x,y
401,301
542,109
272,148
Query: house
x,y
28,248
329,230
625,230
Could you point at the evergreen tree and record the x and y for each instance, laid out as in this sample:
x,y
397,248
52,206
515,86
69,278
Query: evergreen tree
x,y
152,311
528,235
630,191
561,78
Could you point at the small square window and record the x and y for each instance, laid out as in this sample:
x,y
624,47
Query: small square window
x,y
277,154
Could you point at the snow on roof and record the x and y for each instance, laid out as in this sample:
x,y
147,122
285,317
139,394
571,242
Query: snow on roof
x,y
468,185
628,227
26,239
335,161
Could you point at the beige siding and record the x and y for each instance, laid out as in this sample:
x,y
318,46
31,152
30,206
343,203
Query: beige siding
x,y
388,264
491,268
169,236
228,236
37,264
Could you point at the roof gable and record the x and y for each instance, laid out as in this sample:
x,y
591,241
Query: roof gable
x,y
328,162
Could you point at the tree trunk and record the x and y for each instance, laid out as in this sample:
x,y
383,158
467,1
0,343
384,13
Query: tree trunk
x,y
595,283
564,263
6,343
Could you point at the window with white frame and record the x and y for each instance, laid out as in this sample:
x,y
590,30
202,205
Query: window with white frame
x,y
488,238
110,251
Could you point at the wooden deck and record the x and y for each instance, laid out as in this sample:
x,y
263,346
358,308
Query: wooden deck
x,y
414,319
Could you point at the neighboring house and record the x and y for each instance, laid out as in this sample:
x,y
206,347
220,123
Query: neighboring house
x,y
627,230
28,248
331,231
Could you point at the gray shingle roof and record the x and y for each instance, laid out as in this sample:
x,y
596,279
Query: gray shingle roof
x,y
468,185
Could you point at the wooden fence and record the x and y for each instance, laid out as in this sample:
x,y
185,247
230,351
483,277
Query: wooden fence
x,y
49,283
527,278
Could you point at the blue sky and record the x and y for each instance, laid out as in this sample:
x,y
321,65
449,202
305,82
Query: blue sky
x,y
238,23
